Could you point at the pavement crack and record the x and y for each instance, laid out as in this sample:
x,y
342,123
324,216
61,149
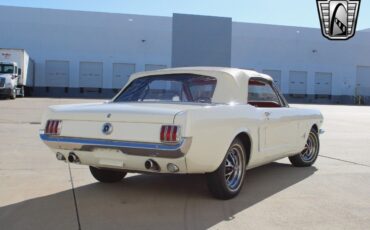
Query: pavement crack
x,y
351,162
74,197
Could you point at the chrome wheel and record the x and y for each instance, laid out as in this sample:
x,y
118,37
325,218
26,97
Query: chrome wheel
x,y
234,170
311,148
227,180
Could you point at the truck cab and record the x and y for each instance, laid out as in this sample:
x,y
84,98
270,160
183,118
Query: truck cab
x,y
9,75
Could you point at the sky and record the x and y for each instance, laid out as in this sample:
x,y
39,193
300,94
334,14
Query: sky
x,y
301,13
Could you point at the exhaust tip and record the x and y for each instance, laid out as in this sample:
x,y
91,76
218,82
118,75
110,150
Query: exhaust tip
x,y
151,165
73,158
60,157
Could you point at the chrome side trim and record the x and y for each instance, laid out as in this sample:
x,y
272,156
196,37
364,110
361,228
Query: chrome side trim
x,y
126,147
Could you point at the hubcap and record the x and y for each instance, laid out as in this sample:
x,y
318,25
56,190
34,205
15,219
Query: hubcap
x,y
311,149
234,168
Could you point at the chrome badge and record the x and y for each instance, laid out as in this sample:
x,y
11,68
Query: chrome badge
x,y
107,128
338,18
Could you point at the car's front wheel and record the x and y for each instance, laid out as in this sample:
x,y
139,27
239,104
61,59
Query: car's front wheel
x,y
310,152
106,175
227,181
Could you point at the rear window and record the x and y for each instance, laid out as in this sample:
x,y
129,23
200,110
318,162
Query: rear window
x,y
170,88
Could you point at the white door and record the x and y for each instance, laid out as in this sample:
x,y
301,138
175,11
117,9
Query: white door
x,y
57,73
323,83
276,75
149,67
298,82
363,81
91,74
121,74
279,126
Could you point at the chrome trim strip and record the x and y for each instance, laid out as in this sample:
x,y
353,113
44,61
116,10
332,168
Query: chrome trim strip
x,y
126,147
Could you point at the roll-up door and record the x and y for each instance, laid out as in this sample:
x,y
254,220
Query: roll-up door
x,y
298,83
91,74
323,82
121,73
57,73
363,81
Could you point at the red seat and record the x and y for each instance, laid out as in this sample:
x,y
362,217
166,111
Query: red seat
x,y
265,104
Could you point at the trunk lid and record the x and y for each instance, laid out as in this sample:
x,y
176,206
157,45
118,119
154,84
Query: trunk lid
x,y
139,122
121,112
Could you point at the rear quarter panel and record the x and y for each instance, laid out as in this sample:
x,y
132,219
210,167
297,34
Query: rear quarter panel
x,y
212,130
308,118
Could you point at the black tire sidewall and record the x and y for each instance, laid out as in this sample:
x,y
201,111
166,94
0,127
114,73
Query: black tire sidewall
x,y
315,134
216,180
297,160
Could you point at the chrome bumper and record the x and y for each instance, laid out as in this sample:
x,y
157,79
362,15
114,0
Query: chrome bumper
x,y
126,147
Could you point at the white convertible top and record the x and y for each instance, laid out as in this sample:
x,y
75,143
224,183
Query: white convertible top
x,y
235,72
232,83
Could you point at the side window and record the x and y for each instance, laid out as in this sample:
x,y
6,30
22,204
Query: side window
x,y
261,94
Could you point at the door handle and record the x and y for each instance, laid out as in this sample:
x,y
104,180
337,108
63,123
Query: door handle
x,y
267,114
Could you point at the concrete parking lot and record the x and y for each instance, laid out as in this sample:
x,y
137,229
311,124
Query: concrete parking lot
x,y
39,192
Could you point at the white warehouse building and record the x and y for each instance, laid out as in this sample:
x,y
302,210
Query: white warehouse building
x,y
91,54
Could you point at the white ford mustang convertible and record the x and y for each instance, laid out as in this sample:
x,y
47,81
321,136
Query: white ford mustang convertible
x,y
213,121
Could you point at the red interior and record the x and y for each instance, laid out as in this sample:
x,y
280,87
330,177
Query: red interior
x,y
264,104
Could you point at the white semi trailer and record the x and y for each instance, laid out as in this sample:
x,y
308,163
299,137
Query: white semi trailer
x,y
16,73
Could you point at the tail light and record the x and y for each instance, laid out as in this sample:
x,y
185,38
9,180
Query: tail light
x,y
53,127
170,134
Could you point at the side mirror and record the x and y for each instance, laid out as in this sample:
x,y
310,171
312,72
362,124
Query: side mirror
x,y
19,71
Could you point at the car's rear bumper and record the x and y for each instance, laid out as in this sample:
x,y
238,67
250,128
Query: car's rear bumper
x,y
129,156
125,147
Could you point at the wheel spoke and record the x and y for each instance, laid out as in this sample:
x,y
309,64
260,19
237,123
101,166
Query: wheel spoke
x,y
309,152
228,164
233,168
229,173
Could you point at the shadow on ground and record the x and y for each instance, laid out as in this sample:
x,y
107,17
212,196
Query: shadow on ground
x,y
149,202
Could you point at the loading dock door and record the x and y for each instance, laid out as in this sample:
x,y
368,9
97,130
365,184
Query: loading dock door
x,y
323,82
276,75
363,81
121,73
91,74
57,73
149,67
298,82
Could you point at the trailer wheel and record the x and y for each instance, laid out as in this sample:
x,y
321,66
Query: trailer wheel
x,y
13,93
21,91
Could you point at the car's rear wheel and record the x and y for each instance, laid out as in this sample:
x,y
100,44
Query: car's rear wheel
x,y
310,152
106,175
227,181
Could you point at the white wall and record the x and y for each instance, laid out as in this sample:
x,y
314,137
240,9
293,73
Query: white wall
x,y
287,49
76,36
